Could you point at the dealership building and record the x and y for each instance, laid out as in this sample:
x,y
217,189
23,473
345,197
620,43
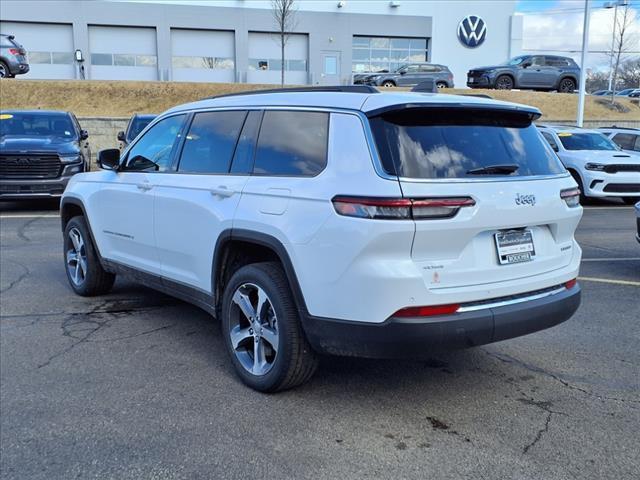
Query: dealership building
x,y
235,41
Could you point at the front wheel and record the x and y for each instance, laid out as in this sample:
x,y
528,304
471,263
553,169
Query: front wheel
x,y
4,70
504,82
262,331
84,270
578,180
441,85
388,84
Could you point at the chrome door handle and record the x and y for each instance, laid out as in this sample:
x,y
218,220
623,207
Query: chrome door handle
x,y
144,186
222,191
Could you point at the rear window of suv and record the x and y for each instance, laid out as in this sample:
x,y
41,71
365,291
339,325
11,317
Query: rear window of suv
x,y
441,143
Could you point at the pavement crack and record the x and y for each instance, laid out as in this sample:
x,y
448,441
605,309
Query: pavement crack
x,y
21,230
25,273
504,358
540,433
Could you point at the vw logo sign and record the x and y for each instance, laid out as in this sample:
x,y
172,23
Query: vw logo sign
x,y
472,31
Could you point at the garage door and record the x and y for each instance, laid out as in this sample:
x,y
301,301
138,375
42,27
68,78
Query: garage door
x,y
265,59
49,47
123,53
202,55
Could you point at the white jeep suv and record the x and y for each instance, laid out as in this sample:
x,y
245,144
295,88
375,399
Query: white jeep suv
x,y
339,220
600,168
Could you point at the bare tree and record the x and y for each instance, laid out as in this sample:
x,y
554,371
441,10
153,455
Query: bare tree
x,y
284,13
624,42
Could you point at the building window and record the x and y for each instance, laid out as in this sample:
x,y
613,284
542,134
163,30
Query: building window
x,y
216,63
374,54
123,60
275,64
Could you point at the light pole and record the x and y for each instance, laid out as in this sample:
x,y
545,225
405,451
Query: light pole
x,y
583,63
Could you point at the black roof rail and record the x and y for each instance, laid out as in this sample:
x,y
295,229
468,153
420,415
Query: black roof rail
x,y
621,128
331,88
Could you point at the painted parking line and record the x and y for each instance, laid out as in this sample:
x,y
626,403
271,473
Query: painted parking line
x,y
609,280
632,259
29,216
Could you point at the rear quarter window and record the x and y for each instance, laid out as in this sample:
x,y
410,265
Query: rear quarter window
x,y
292,143
441,143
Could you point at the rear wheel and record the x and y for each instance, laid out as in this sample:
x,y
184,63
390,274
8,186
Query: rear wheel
x,y
504,82
84,270
441,85
388,84
631,200
262,330
4,70
567,85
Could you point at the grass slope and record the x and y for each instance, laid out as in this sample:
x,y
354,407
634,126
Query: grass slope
x,y
122,98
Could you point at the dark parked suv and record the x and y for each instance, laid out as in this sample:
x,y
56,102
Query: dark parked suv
x,y
535,72
39,151
410,75
136,124
13,57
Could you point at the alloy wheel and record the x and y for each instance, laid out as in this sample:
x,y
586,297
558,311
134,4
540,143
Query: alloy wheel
x,y
3,71
567,86
504,83
76,257
253,329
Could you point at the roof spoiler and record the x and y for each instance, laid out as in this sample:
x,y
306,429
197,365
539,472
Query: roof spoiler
x,y
532,112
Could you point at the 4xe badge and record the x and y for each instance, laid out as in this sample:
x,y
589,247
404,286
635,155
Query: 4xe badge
x,y
525,199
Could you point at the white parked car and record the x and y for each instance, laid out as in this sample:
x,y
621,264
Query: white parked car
x,y
339,220
626,138
599,166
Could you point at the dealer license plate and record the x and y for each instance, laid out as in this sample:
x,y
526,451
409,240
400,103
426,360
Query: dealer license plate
x,y
471,80
515,246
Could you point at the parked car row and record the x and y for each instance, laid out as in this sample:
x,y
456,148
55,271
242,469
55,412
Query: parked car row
x,y
627,92
40,150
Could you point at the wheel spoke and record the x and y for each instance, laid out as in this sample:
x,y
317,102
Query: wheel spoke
x,y
76,273
271,337
83,265
259,359
72,257
238,335
244,303
75,239
262,299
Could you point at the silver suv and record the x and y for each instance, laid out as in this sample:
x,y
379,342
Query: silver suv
x,y
13,57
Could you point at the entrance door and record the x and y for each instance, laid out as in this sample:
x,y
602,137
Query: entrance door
x,y
330,68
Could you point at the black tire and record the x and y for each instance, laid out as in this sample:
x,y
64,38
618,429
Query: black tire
x,y
388,84
4,70
567,85
95,280
293,362
631,200
442,85
583,197
504,82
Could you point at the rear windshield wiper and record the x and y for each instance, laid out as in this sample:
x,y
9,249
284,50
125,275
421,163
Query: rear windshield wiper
x,y
493,169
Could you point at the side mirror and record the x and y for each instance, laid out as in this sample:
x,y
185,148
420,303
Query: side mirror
x,y
109,159
121,136
402,72
526,64
84,134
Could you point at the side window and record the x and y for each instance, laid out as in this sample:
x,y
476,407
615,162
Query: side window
x,y
292,143
624,140
243,158
537,61
428,68
210,142
412,68
549,138
153,151
636,148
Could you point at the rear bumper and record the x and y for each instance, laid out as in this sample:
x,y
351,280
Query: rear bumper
x,y
414,337
16,68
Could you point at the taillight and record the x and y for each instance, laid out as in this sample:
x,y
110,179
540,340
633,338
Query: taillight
x,y
571,283
14,51
571,196
427,311
400,208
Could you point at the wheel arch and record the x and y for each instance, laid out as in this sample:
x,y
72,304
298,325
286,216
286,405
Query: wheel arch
x,y
384,80
238,247
507,74
71,207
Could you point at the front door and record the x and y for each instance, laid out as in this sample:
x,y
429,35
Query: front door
x,y
330,68
125,202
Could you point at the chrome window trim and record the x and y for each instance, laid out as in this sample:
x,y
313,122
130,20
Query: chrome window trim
x,y
503,303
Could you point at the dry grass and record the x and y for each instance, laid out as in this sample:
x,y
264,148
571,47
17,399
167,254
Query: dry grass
x,y
122,98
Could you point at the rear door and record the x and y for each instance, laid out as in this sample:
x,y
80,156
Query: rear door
x,y
197,201
507,225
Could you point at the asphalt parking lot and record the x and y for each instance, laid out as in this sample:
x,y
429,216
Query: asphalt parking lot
x,y
137,385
